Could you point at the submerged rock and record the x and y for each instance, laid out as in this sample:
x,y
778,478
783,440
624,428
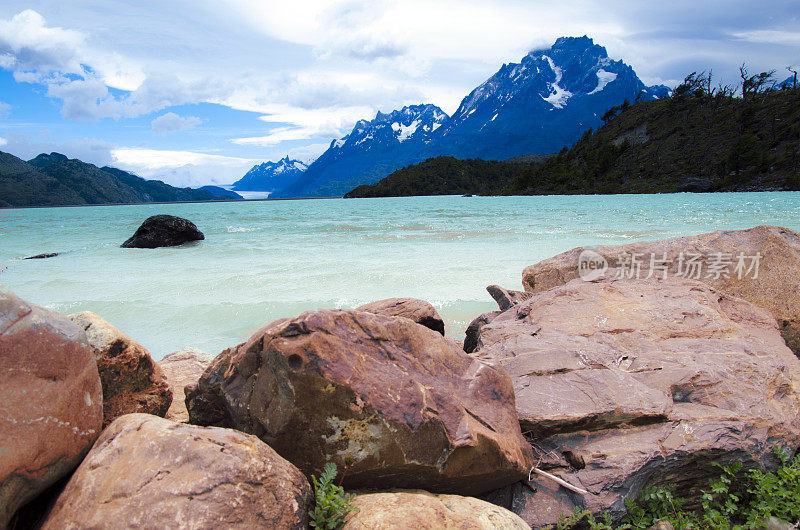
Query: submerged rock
x,y
149,472
417,310
181,368
51,401
626,384
386,399
132,381
163,231
425,511
761,265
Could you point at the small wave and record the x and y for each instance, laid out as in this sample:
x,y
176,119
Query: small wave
x,y
239,229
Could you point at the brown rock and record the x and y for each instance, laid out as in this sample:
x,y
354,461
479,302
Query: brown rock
x,y
181,368
132,381
775,289
626,384
417,310
51,400
149,472
393,402
422,510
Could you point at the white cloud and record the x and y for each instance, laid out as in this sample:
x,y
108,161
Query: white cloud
x,y
28,45
308,153
182,168
306,124
786,38
3,141
171,122
5,108
91,150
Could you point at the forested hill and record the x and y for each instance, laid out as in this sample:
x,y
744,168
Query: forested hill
x,y
694,141
55,180
446,175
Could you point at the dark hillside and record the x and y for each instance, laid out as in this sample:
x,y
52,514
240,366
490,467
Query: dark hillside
x,y
444,175
55,180
690,142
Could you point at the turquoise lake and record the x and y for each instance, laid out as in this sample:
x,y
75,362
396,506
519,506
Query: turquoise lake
x,y
263,260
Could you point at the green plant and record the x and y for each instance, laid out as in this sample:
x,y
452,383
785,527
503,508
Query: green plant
x,y
656,504
585,517
332,503
737,500
776,493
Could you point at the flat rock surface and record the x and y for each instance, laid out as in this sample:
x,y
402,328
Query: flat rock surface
x,y
51,400
723,259
417,310
181,368
393,402
623,383
425,511
132,381
149,472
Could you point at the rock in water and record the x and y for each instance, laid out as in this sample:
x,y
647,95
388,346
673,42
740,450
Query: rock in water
x,y
43,256
164,231
769,277
419,311
424,511
148,472
132,381
626,384
394,403
183,367
51,401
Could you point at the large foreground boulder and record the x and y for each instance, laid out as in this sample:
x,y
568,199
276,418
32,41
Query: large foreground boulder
x,y
626,384
50,399
149,472
164,231
393,403
132,381
424,511
419,311
181,368
761,265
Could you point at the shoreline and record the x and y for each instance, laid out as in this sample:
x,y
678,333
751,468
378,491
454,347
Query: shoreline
x,y
161,202
390,197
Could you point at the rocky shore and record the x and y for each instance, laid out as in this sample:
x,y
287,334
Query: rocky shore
x,y
614,370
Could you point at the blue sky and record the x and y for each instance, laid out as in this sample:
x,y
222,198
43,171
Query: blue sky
x,y
197,91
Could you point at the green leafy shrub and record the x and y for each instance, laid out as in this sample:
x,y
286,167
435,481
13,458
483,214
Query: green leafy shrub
x,y
332,503
737,500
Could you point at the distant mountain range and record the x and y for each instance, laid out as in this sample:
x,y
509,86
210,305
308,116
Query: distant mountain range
x,y
692,141
55,180
271,176
536,106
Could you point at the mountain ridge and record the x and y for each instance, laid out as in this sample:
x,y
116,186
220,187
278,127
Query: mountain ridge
x,y
690,142
536,106
269,176
56,180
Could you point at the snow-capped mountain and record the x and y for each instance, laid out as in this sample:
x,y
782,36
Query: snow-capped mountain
x,y
372,150
537,106
542,103
270,176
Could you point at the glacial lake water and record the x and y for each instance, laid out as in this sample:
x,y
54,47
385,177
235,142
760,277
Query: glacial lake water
x,y
263,260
